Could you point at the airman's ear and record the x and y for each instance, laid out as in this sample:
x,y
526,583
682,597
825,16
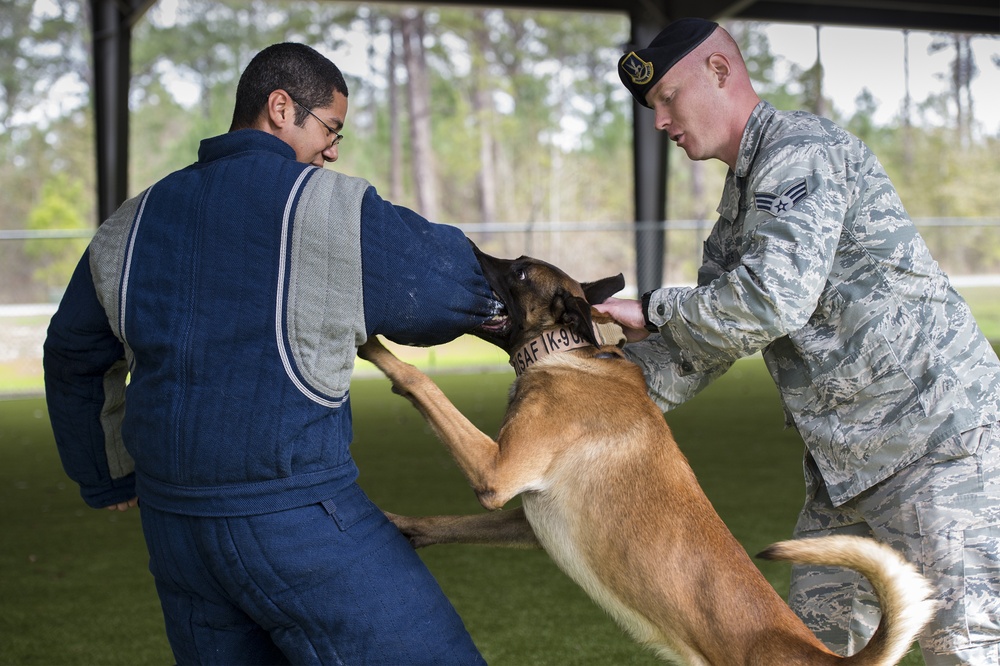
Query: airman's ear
x,y
718,63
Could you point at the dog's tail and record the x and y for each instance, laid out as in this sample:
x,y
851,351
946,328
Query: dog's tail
x,y
903,594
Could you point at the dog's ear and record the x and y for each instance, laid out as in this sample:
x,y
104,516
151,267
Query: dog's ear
x,y
576,316
601,290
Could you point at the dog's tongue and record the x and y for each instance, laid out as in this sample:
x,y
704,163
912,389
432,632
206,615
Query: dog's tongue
x,y
497,327
494,324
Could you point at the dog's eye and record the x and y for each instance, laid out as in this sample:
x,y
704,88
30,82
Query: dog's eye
x,y
521,275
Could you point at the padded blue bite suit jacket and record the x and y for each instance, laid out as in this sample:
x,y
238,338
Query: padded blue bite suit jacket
x,y
232,295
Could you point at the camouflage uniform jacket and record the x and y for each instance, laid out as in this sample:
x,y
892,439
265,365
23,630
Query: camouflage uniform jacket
x,y
815,263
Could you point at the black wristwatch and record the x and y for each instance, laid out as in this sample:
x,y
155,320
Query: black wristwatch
x,y
650,326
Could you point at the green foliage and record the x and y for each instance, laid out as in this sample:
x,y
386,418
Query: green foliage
x,y
862,124
34,53
30,158
558,123
59,209
206,45
762,65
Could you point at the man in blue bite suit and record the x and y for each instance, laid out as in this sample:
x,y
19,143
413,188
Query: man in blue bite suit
x,y
234,293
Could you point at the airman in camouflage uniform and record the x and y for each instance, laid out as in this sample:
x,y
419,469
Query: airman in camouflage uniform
x,y
879,363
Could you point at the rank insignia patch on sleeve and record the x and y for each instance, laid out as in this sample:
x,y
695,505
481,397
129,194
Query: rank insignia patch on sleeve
x,y
776,204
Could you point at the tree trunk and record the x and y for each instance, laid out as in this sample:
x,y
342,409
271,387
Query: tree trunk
x,y
818,103
482,108
395,132
419,101
908,156
963,69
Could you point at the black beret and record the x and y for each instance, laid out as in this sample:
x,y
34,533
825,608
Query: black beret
x,y
640,70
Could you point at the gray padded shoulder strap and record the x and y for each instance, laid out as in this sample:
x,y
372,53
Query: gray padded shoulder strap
x,y
110,252
325,320
110,258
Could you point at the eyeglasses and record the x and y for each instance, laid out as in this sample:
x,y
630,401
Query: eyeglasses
x,y
337,136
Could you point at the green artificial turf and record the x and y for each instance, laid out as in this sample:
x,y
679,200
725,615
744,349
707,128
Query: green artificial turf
x,y
74,588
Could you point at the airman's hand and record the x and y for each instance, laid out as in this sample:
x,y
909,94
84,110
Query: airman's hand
x,y
628,314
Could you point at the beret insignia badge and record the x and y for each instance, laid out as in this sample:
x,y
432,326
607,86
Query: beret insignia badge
x,y
640,71
776,204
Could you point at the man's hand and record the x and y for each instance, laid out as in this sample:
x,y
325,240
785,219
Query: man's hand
x,y
628,314
124,506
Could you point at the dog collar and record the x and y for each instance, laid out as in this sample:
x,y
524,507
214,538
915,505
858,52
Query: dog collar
x,y
560,340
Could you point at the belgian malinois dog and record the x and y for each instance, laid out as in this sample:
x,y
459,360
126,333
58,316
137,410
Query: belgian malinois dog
x,y
608,494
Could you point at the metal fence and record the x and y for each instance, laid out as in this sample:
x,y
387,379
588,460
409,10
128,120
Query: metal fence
x,y
968,249
35,265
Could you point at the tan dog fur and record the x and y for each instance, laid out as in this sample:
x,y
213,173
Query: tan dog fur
x,y
611,498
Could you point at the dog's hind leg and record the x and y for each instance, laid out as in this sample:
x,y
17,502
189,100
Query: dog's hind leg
x,y
504,529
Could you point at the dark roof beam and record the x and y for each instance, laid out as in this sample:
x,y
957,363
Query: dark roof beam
x,y
975,18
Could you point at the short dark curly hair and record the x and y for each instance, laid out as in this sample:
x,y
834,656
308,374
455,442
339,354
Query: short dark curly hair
x,y
301,71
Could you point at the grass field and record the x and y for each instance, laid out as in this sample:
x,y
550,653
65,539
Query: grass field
x,y
75,589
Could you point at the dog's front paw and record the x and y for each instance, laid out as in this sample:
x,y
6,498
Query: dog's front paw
x,y
403,375
417,530
372,350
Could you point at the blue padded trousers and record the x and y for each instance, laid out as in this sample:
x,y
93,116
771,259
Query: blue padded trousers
x,y
330,583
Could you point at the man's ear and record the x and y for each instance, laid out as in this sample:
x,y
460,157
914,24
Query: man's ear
x,y
280,109
719,65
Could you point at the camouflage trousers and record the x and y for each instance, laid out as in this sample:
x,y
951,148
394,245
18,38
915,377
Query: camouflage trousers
x,y
943,514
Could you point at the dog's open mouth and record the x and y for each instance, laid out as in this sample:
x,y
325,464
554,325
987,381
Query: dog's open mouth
x,y
496,329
